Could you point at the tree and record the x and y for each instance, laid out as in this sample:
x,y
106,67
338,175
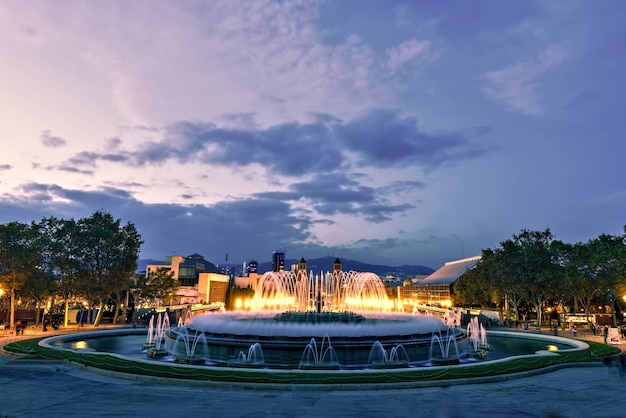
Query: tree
x,y
582,282
157,286
108,257
61,243
535,265
526,267
607,262
476,286
504,276
18,259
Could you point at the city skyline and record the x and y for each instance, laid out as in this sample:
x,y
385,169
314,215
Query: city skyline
x,y
394,133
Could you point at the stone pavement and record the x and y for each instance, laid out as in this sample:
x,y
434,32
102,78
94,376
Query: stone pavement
x,y
34,390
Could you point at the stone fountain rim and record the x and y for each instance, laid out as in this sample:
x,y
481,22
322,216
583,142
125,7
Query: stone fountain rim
x,y
578,345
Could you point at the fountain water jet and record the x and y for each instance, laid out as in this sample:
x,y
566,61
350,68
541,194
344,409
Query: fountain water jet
x,y
253,359
156,336
380,358
444,342
186,318
324,358
477,337
190,342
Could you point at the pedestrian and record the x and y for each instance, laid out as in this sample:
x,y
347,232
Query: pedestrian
x,y
18,328
574,330
605,333
593,329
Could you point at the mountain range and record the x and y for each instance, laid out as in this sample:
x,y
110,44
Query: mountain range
x,y
325,264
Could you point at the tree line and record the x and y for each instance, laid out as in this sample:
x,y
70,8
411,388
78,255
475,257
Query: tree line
x,y
92,259
533,269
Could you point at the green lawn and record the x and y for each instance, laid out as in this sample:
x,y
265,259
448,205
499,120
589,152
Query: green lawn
x,y
32,351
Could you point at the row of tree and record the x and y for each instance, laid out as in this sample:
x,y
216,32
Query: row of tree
x,y
536,269
92,259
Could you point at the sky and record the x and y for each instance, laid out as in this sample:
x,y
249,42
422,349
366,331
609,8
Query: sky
x,y
391,132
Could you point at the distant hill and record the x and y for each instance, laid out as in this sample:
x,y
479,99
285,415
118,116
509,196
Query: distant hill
x,y
325,264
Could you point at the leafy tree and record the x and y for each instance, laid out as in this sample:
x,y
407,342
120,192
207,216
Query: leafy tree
x,y
526,267
156,286
18,259
582,282
607,262
476,286
505,277
61,238
535,266
108,257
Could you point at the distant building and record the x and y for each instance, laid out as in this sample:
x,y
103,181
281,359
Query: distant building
x,y
337,267
212,287
251,266
226,269
436,290
278,261
196,276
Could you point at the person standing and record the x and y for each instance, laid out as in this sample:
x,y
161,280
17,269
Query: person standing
x,y
605,333
593,329
574,330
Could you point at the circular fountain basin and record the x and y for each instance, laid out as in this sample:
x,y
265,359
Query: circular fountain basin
x,y
284,337
506,346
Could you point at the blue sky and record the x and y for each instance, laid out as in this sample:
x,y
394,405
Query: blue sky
x,y
392,132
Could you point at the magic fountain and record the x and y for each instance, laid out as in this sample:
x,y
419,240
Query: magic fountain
x,y
340,320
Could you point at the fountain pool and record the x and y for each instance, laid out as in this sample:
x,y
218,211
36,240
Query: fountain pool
x,y
335,322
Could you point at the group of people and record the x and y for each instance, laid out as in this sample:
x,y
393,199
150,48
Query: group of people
x,y
605,332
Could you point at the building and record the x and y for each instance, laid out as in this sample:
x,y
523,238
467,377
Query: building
x,y
251,266
436,290
197,278
278,261
212,288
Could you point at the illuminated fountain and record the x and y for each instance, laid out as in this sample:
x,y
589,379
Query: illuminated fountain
x,y
254,358
189,348
443,343
292,310
156,336
324,358
477,337
380,358
186,318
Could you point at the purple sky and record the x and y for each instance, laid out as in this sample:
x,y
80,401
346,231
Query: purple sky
x,y
392,132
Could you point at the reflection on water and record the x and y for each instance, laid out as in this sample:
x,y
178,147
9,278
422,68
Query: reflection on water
x,y
507,346
80,344
119,344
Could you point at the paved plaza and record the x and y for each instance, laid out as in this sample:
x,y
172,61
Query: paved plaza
x,y
56,390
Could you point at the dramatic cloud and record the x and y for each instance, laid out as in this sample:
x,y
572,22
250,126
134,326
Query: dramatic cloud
x,y
385,138
382,138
